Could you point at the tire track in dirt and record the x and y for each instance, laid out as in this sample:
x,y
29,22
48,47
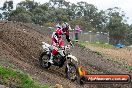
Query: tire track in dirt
x,y
14,45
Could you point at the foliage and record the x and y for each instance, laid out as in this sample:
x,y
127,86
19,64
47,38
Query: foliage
x,y
128,37
0,16
29,5
116,27
85,26
20,15
7,7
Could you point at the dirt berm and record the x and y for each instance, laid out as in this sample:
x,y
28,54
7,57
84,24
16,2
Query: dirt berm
x,y
20,45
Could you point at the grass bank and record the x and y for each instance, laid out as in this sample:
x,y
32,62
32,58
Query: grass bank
x,y
103,45
16,79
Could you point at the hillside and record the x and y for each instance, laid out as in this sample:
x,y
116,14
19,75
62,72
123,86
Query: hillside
x,y
20,45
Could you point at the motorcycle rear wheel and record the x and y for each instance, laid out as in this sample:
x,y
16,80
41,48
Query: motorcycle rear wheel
x,y
44,60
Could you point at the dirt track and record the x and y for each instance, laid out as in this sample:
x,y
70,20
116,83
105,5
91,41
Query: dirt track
x,y
122,55
20,44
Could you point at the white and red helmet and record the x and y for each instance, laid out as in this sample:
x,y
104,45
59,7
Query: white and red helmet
x,y
59,31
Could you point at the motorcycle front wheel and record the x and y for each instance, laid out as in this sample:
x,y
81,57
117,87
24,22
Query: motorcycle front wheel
x,y
71,72
44,60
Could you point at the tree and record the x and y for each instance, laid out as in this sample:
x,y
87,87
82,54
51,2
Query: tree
x,y
85,26
29,5
40,14
71,11
7,7
5,15
116,25
129,35
90,14
20,15
57,3
0,16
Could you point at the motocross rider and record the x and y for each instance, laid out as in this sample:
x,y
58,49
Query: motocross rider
x,y
57,39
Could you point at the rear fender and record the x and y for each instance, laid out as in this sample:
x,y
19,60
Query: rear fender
x,y
45,46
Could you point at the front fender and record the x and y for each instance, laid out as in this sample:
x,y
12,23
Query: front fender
x,y
73,57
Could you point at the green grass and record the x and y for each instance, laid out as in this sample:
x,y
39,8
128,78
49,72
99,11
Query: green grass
x,y
96,44
16,79
5,62
130,67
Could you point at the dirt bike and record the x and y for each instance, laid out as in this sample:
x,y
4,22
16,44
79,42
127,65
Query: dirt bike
x,y
63,56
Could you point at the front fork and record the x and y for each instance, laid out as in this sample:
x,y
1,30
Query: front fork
x,y
68,62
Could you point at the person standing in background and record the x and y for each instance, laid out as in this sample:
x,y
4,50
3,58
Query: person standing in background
x,y
77,31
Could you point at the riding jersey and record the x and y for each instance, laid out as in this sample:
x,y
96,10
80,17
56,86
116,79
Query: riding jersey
x,y
56,36
57,39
